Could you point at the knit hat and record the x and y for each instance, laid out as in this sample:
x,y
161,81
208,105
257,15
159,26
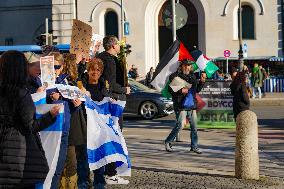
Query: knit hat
x,y
187,62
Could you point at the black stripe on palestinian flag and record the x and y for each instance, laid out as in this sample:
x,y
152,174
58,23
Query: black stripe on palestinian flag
x,y
169,54
168,65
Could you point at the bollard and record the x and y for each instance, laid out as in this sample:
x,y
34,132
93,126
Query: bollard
x,y
246,154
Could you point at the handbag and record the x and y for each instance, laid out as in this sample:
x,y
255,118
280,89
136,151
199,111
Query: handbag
x,y
188,101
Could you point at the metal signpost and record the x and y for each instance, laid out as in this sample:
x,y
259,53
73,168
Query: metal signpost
x,y
227,54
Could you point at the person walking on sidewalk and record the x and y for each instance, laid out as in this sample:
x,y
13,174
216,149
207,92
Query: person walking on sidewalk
x,y
257,81
182,111
265,76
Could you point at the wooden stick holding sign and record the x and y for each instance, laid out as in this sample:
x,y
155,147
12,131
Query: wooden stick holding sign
x,y
80,39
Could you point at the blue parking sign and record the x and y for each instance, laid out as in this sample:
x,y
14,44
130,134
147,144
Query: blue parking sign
x,y
126,28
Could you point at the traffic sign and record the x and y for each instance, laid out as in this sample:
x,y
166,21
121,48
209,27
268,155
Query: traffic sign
x,y
227,53
126,28
245,50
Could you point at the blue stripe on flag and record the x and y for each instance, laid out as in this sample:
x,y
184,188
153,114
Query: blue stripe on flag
x,y
57,125
106,108
41,101
63,147
106,149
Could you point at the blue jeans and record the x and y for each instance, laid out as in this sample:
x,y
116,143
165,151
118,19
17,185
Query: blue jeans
x,y
99,176
254,91
180,122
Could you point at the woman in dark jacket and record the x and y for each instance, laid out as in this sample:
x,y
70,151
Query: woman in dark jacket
x,y
239,91
22,160
76,160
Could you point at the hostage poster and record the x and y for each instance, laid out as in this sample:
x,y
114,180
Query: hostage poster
x,y
217,111
47,71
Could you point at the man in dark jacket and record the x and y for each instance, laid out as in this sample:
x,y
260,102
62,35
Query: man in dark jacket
x,y
183,111
114,74
113,71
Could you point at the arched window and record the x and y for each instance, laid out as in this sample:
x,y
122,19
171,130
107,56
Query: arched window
x,y
248,22
111,23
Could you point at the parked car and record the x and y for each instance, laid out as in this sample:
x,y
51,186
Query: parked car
x,y
147,102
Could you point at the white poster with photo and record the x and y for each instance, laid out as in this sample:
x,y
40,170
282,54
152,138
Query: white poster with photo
x,y
47,71
178,83
71,92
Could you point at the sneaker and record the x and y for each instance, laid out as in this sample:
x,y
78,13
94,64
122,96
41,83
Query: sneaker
x,y
196,150
115,180
168,147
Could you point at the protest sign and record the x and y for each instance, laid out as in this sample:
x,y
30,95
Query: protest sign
x,y
70,92
47,71
218,109
80,39
178,83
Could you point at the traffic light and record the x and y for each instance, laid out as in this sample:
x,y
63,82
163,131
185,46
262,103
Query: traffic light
x,y
41,40
54,41
127,49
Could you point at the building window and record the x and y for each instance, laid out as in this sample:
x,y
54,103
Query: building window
x,y
9,41
248,22
111,23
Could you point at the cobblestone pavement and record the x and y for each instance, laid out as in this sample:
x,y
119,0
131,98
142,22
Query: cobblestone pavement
x,y
145,179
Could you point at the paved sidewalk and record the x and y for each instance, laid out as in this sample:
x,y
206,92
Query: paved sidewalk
x,y
160,179
216,164
270,99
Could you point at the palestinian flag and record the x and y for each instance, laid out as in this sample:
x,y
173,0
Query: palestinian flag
x,y
203,63
168,65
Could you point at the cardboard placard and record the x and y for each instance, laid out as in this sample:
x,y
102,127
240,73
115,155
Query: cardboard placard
x,y
81,39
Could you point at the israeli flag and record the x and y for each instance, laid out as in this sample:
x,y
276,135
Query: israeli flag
x,y
105,142
51,139
39,98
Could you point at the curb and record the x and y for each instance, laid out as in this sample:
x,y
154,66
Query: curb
x,y
267,102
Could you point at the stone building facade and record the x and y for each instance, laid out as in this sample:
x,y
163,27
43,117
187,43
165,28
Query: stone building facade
x,y
212,26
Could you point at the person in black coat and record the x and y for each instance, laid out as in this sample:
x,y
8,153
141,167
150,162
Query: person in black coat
x,y
113,71
77,160
186,74
114,74
22,162
97,88
239,91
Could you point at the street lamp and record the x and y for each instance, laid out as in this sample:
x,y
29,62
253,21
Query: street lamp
x,y
122,19
241,57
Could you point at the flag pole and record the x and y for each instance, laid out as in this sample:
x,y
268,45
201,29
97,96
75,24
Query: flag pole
x,y
174,20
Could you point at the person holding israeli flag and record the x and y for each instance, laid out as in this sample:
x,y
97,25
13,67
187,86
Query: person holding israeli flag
x,y
23,162
98,89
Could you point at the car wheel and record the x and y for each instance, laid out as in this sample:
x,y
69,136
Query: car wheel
x,y
148,110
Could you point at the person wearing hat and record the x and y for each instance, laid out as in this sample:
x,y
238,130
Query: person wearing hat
x,y
186,73
34,84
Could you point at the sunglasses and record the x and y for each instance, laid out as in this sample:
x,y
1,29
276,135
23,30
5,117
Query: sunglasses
x,y
57,67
